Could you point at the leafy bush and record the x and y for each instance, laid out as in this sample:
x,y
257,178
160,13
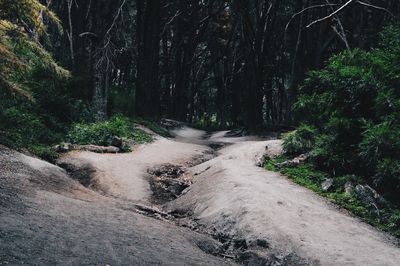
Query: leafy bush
x,y
353,106
299,141
101,133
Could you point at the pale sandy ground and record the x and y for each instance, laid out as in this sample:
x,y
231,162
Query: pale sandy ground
x,y
48,219
238,198
124,175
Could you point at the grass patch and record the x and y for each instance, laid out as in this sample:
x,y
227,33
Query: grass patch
x,y
305,174
102,133
153,126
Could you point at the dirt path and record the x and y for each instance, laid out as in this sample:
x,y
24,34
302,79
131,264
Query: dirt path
x,y
47,218
124,175
234,197
259,217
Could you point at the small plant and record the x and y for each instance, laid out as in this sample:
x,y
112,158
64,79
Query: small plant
x,y
102,133
299,141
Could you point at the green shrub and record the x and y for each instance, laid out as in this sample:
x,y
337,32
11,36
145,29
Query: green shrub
x,y
299,141
101,133
353,104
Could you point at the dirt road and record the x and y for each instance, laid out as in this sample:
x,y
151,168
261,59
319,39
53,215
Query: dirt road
x,y
238,199
234,212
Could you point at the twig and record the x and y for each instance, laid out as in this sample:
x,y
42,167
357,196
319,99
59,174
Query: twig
x,y
332,14
376,7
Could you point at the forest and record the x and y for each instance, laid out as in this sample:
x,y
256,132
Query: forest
x,y
323,75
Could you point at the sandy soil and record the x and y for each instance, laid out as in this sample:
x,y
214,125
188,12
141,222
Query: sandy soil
x,y
233,196
47,218
124,175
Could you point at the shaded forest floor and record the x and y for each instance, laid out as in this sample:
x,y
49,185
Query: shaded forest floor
x,y
196,199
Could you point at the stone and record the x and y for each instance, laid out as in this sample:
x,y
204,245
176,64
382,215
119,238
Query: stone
x,y
64,147
312,177
98,149
117,142
294,162
369,196
348,187
328,185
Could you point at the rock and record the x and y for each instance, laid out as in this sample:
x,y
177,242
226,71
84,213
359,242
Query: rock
x,y
348,187
260,161
312,177
166,189
328,185
117,142
294,162
175,186
98,149
64,147
369,196
167,170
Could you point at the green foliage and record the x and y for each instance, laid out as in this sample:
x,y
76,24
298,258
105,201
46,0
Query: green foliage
x,y
153,126
101,133
33,101
353,105
299,141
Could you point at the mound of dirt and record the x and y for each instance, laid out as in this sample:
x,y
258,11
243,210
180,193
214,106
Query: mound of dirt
x,y
48,218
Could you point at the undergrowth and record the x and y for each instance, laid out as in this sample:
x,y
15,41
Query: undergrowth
x,y
102,133
153,126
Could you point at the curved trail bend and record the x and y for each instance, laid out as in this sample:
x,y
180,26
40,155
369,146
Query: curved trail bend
x,y
47,218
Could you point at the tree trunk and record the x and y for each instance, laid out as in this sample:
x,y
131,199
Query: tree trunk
x,y
147,97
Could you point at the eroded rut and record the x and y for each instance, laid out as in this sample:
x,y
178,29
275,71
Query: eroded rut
x,y
169,181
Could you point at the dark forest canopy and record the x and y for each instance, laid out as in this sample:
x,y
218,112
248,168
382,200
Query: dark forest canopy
x,y
231,63
213,63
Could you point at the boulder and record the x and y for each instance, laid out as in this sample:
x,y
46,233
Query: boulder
x,y
328,185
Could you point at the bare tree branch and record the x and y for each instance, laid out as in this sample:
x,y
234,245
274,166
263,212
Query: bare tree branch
x,y
332,14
